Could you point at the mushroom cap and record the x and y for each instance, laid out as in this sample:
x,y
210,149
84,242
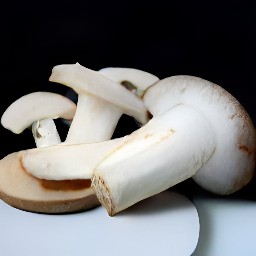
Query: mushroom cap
x,y
232,164
140,79
24,191
84,80
36,106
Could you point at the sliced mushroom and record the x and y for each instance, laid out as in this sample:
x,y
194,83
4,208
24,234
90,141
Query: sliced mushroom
x,y
65,161
37,109
133,79
101,102
24,191
65,193
126,161
220,157
61,162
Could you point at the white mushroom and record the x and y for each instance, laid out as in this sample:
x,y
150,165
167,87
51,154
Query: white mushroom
x,y
62,162
164,152
232,165
101,102
214,142
65,161
37,109
133,79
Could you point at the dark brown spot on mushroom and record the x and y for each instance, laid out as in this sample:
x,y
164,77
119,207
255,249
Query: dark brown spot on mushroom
x,y
245,149
232,117
129,86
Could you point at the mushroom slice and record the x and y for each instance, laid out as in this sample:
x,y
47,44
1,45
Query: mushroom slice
x,y
170,148
37,109
24,191
133,79
232,164
61,180
101,102
67,162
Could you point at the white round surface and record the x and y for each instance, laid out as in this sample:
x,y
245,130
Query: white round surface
x,y
166,224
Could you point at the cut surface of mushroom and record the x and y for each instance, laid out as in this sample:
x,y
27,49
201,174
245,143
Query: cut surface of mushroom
x,y
45,106
164,152
24,191
61,180
232,164
101,102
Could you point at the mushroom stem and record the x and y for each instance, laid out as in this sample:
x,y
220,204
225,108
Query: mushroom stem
x,y
164,152
94,120
45,133
101,102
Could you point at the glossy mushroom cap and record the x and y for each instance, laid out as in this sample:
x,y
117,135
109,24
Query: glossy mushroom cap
x,y
232,164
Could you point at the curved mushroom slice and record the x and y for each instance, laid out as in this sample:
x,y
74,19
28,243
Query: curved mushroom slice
x,y
61,180
101,102
133,79
67,162
232,164
22,190
45,106
164,152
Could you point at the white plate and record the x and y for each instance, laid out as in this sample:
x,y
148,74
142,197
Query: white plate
x,y
227,227
166,224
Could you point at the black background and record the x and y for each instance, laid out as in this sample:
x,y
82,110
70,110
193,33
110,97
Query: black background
x,y
210,39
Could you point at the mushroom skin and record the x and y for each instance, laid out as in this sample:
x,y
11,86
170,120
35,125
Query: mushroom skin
x,y
232,164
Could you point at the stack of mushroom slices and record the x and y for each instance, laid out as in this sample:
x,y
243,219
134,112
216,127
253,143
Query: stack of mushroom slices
x,y
198,130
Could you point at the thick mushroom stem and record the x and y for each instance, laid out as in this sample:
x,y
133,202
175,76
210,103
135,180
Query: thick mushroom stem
x,y
232,164
45,133
94,120
167,150
101,102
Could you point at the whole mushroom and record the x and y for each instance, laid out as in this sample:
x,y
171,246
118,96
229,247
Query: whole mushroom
x,y
213,141
232,164
194,123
